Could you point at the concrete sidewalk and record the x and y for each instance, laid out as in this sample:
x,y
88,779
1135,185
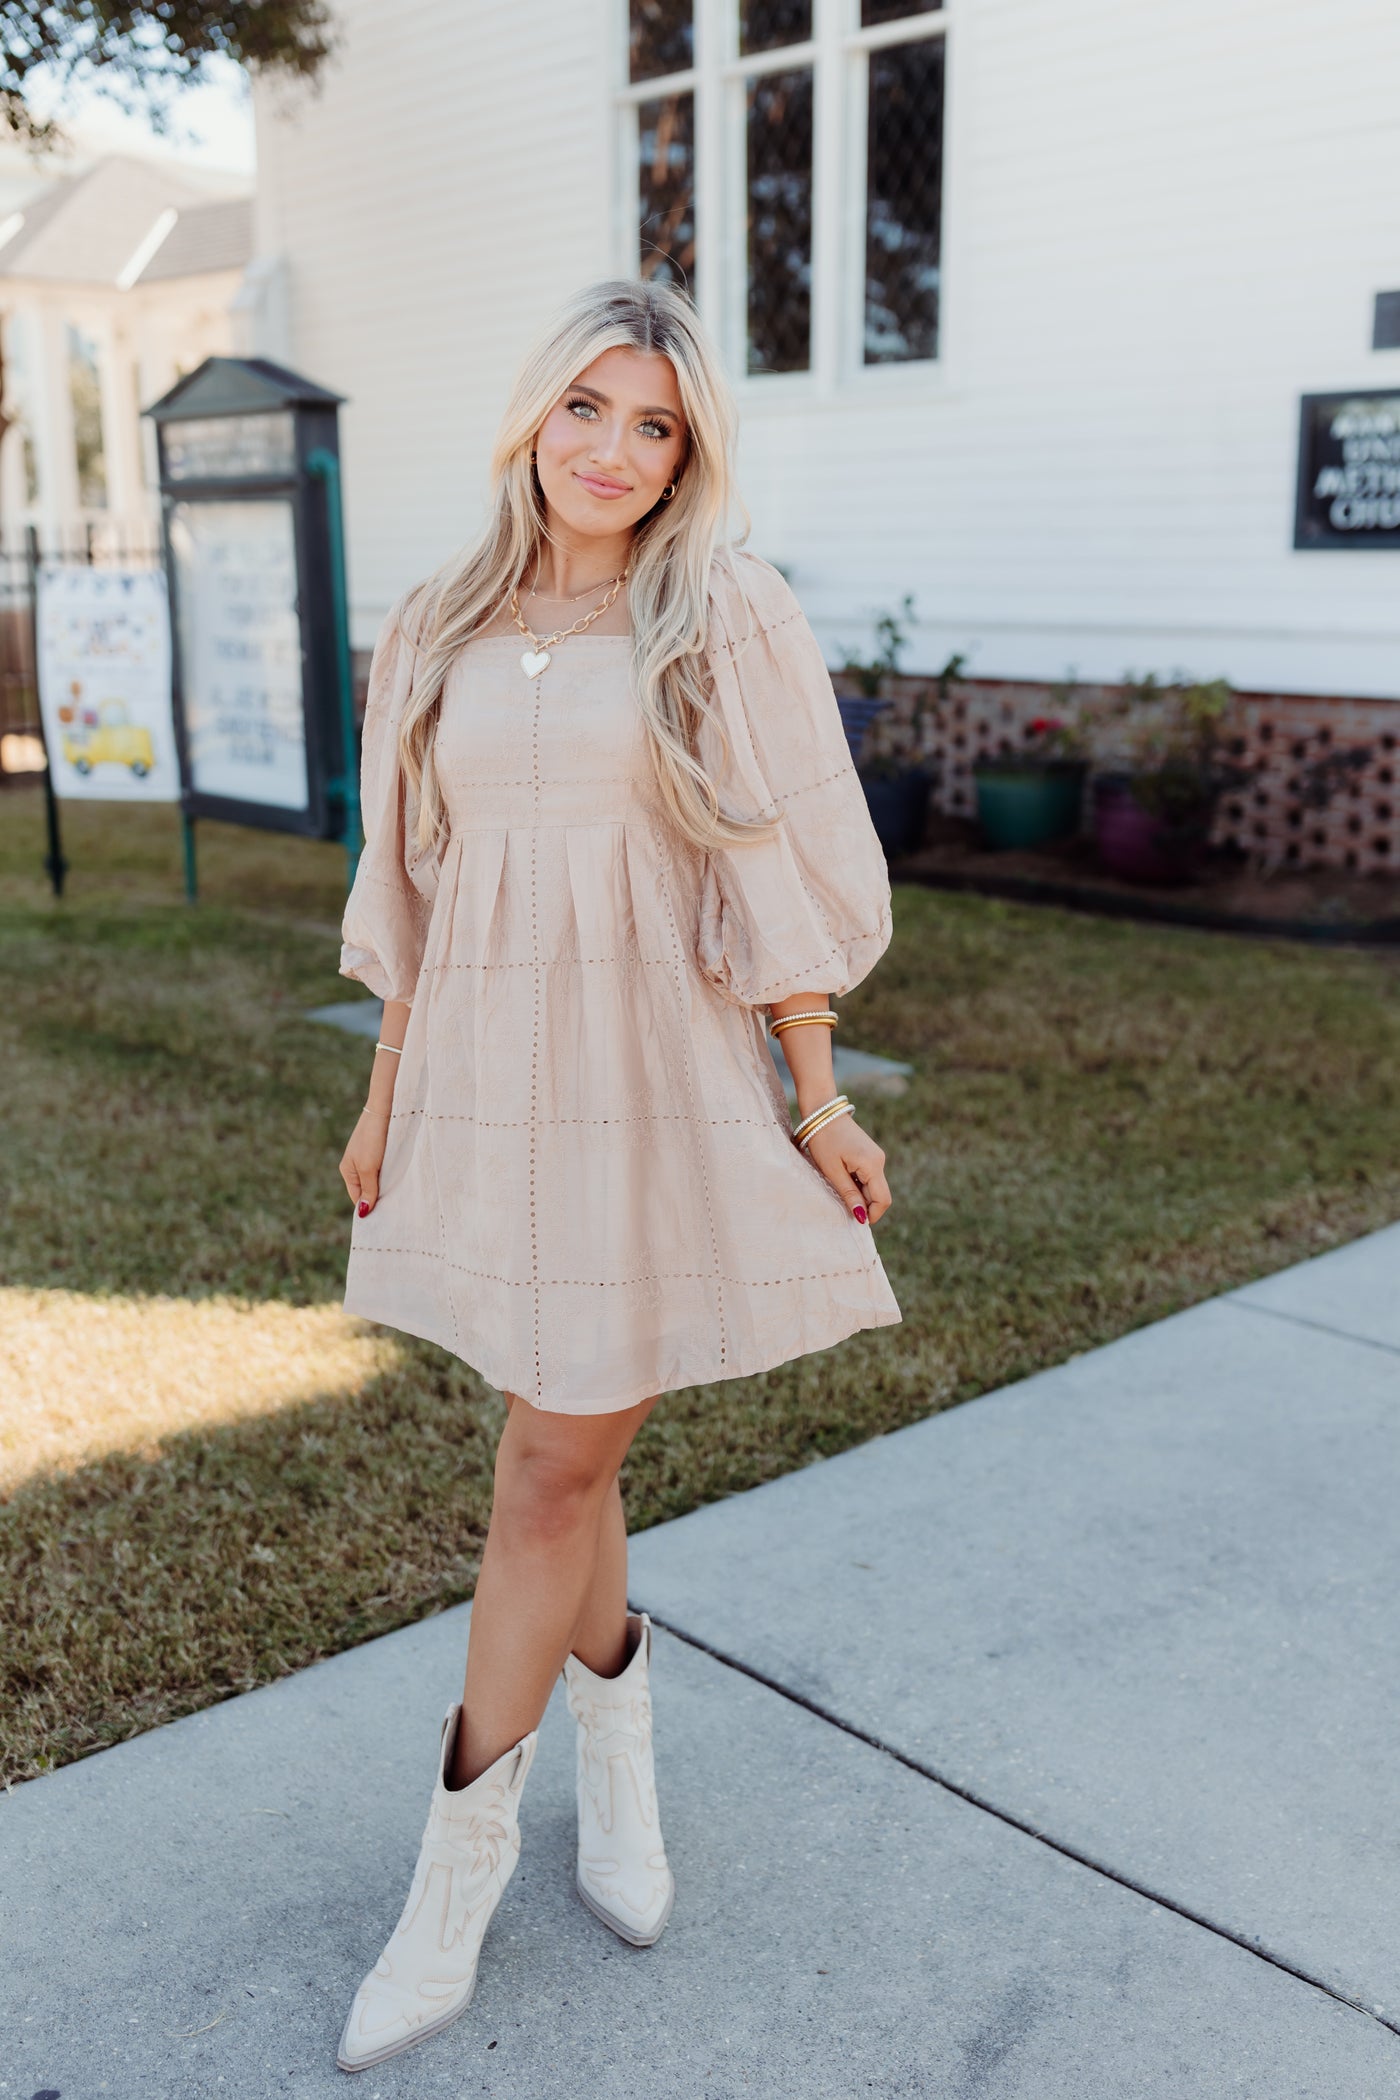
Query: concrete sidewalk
x,y
1046,1748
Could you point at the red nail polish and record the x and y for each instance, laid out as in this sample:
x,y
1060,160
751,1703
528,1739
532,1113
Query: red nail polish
x,y
859,1214
364,1210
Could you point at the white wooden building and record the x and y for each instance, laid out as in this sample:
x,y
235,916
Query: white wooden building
x,y
1020,300
114,279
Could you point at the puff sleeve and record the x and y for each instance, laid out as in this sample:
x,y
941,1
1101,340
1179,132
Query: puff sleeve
x,y
808,908
385,924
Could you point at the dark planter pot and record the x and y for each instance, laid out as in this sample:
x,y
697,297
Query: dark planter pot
x,y
1032,807
1137,845
858,711
898,808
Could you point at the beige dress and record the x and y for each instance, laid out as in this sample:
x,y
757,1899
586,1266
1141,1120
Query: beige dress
x,y
589,1190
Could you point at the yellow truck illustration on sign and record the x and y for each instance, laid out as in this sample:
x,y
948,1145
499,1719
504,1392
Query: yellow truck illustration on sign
x,y
106,734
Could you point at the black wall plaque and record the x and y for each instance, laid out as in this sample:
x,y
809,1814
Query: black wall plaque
x,y
1349,470
1386,335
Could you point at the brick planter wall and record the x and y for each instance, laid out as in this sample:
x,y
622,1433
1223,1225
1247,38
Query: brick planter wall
x,y
1359,829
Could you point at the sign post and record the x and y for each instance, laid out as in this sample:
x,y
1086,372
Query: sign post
x,y
55,862
249,479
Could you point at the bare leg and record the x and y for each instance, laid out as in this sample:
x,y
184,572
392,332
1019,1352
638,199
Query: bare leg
x,y
554,1476
600,1632
600,1636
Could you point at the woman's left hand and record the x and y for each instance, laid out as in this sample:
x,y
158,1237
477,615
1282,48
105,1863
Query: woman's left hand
x,y
854,1165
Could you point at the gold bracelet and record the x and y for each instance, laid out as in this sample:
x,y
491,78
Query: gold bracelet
x,y
804,1021
845,1109
814,1113
390,1046
803,1013
834,1102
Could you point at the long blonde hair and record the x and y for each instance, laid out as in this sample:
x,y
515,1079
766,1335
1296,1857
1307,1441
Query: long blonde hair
x,y
671,554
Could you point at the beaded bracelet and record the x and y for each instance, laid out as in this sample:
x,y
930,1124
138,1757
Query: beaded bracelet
x,y
817,1116
804,1013
826,1020
845,1109
814,1113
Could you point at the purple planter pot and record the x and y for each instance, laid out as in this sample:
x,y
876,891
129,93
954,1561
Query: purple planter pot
x,y
1134,843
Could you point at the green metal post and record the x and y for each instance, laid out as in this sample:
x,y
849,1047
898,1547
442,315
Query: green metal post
x,y
326,467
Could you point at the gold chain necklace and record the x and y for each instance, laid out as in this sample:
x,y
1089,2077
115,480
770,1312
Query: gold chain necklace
x,y
535,659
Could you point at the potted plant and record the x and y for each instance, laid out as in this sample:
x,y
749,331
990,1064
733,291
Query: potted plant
x,y
1154,809
896,785
1033,794
868,673
896,794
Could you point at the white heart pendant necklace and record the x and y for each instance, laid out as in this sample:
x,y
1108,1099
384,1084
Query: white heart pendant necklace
x,y
535,660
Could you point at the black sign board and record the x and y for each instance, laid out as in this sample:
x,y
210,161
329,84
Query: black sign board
x,y
1349,470
260,724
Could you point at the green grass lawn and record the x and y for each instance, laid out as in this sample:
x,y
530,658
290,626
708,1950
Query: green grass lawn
x,y
212,1476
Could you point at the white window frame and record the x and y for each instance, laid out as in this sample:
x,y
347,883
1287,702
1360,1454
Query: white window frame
x,y
839,54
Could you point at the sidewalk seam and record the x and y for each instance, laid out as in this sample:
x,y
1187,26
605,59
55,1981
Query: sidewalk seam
x,y
1083,1859
1341,1334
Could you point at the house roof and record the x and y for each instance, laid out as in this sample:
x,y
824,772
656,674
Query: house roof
x,y
216,236
90,228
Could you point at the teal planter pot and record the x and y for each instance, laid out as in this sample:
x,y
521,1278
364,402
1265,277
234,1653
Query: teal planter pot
x,y
1029,808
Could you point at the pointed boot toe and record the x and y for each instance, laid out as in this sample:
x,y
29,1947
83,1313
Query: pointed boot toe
x,y
622,1871
425,1977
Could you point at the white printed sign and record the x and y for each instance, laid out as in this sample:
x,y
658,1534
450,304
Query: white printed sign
x,y
104,683
240,650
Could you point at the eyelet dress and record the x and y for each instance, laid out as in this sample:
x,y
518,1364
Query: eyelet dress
x,y
589,1189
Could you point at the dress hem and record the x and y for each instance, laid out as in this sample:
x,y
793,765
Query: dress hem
x,y
883,1316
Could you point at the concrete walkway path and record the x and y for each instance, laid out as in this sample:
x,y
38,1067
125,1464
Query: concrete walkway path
x,y
1046,1748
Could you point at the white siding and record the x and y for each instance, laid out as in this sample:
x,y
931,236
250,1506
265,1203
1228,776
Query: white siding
x,y
1166,219
445,189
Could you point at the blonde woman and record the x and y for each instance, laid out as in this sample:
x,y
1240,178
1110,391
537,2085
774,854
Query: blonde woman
x,y
613,835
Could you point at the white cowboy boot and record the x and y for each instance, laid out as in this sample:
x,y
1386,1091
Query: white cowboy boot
x,y
622,1872
426,1975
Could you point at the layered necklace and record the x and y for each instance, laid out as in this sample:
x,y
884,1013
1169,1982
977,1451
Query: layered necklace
x,y
536,658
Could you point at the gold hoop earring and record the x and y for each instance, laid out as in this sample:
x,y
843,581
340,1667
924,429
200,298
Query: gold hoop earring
x,y
669,491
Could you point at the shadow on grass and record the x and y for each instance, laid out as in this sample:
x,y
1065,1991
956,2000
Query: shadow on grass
x,y
144,1585
147,1584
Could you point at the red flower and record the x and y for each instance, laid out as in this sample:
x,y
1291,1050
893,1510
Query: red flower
x,y
1044,725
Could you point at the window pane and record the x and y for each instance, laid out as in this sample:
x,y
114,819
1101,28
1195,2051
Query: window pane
x,y
85,388
873,11
780,222
661,39
666,189
764,25
20,391
903,202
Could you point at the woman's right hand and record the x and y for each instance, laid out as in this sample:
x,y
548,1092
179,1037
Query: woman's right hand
x,y
364,1156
